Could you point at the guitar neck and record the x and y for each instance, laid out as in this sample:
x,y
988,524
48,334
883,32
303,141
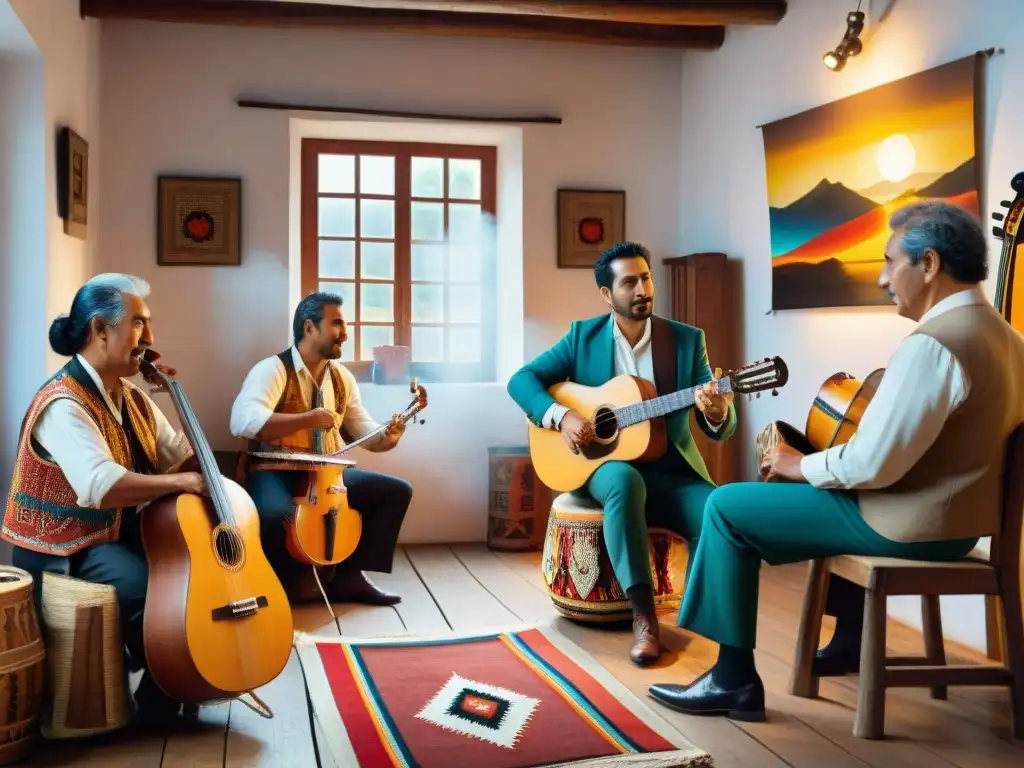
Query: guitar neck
x,y
628,415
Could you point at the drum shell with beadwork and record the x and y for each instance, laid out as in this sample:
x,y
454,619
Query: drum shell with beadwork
x,y
578,574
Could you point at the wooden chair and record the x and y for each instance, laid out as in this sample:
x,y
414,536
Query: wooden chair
x,y
997,575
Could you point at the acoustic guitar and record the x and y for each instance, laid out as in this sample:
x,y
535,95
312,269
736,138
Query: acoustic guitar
x,y
833,418
217,621
628,421
325,528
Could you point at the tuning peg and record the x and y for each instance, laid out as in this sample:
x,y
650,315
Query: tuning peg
x,y
775,393
758,395
998,232
997,216
1004,203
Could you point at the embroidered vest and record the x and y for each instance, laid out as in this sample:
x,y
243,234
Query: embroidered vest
x,y
320,441
42,512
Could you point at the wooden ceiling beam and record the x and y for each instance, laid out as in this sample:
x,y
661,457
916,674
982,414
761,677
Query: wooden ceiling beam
x,y
257,13
683,13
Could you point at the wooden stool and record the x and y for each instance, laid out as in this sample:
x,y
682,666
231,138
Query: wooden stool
x,y
578,575
997,575
87,693
22,665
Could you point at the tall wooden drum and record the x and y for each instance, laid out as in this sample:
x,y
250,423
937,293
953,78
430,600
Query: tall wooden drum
x,y
22,665
518,500
578,575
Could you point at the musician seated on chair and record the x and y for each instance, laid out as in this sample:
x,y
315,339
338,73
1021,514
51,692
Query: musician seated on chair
x,y
93,448
921,479
668,492
304,399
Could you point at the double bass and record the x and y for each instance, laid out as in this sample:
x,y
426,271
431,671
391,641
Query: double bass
x,y
217,622
325,529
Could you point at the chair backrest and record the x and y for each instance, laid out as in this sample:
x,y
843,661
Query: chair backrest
x,y
1006,545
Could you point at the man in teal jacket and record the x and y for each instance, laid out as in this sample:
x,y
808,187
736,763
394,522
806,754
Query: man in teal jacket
x,y
669,492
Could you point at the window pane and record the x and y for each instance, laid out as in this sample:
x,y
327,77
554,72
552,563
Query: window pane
x,y
464,223
377,261
347,291
428,303
464,303
464,263
337,217
377,302
464,178
336,173
428,177
427,344
337,259
464,344
427,262
377,218
375,336
428,221
376,175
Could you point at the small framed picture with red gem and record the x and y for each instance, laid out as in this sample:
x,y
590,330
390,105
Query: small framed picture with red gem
x,y
589,222
199,221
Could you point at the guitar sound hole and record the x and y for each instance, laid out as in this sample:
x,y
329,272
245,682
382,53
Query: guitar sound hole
x,y
605,426
228,545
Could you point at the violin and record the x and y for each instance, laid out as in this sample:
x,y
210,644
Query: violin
x,y
217,622
325,528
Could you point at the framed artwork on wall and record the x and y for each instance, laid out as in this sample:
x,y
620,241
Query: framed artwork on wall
x,y
73,182
199,221
589,222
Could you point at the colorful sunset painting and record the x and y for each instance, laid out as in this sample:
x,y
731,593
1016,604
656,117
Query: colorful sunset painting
x,y
837,172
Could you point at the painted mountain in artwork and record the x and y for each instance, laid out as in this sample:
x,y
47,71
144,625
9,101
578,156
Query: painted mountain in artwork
x,y
825,207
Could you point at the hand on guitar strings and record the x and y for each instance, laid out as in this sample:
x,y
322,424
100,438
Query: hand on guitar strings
x,y
576,431
712,404
394,431
323,418
782,463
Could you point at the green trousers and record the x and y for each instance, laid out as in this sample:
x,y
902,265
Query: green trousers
x,y
667,493
745,523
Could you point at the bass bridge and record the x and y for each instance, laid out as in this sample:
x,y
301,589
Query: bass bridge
x,y
240,609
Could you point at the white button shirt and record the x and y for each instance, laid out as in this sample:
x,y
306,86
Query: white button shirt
x,y
923,384
264,385
637,360
68,434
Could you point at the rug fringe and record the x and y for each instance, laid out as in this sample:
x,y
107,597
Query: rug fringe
x,y
682,758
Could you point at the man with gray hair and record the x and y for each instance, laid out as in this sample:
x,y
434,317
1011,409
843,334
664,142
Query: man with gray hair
x,y
921,479
93,448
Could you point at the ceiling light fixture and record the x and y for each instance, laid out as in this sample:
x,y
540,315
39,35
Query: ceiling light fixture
x,y
850,45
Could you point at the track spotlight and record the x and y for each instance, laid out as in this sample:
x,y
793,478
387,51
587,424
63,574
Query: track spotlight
x,y
850,45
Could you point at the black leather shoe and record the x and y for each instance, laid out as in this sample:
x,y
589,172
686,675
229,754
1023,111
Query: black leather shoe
x,y
705,697
355,587
836,663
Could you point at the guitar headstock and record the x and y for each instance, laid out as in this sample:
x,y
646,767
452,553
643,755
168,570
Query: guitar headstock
x,y
418,404
1008,234
1015,208
770,373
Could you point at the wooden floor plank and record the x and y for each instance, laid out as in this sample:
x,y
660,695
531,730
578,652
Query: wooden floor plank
x,y
418,610
283,741
205,749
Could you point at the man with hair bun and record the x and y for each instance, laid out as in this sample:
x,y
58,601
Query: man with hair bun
x,y
94,447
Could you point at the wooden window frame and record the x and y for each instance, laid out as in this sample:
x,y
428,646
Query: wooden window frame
x,y
403,152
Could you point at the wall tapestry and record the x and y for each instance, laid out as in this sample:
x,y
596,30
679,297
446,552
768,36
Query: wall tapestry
x,y
837,172
199,221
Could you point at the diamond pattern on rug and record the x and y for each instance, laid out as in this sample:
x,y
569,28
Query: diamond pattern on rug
x,y
480,710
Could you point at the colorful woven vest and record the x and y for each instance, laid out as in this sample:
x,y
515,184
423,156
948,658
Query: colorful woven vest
x,y
320,441
42,508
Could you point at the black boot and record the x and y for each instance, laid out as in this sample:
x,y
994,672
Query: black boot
x,y
842,655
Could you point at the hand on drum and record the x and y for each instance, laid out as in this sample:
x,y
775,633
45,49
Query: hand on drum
x,y
782,463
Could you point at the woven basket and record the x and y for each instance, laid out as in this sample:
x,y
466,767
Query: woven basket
x,y
87,686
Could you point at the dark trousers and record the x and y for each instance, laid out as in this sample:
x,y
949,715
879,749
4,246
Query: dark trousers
x,y
122,565
382,499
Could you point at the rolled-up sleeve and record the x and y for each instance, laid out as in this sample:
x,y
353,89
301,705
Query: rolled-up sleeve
x,y
74,443
260,393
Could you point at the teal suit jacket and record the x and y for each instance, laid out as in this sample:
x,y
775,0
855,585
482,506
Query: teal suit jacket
x,y
586,355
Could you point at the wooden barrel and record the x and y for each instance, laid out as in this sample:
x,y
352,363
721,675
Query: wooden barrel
x,y
518,501
22,665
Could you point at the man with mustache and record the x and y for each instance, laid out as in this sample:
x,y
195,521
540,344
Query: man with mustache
x,y
667,493
304,400
93,449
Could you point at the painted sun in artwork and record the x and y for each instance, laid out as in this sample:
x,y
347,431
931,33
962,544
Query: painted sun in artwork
x,y
896,158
